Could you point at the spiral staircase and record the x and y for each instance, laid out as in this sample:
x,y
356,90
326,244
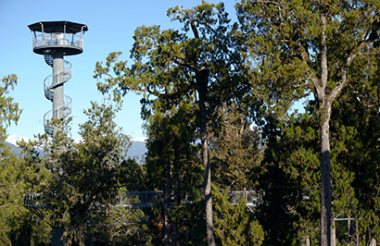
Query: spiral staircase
x,y
50,83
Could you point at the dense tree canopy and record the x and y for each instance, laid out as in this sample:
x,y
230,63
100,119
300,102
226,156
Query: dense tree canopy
x,y
203,63
17,176
217,95
303,47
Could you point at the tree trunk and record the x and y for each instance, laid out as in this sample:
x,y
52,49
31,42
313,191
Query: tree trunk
x,y
28,237
81,235
372,242
57,234
307,241
324,119
351,228
177,200
333,233
167,191
326,177
357,238
206,164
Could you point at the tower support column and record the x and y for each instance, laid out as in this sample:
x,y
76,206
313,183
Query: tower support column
x,y
58,73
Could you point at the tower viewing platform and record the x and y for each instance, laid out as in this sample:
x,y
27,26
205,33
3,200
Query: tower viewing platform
x,y
54,40
64,36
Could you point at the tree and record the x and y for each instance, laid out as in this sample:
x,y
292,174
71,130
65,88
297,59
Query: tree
x,y
33,175
18,226
293,156
234,225
303,47
174,165
9,111
355,121
17,176
235,150
279,186
203,62
86,175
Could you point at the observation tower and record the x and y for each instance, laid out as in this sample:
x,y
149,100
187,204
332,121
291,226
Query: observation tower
x,y
54,40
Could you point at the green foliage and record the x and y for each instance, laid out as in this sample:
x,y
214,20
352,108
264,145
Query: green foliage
x,y
235,151
234,225
9,111
174,165
300,48
166,62
355,125
17,224
17,176
203,64
172,138
291,181
86,176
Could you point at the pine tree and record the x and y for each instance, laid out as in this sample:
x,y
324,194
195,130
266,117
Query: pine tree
x,y
292,193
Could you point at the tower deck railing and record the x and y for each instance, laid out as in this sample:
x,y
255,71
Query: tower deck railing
x,y
34,200
253,198
70,40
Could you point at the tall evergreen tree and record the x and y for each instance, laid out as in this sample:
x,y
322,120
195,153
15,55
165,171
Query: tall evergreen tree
x,y
204,61
301,47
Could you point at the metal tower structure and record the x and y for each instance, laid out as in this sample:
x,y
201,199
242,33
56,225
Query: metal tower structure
x,y
54,40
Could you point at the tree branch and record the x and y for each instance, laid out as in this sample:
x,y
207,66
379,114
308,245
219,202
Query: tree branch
x,y
194,29
358,98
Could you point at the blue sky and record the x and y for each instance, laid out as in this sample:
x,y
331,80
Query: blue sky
x,y
111,27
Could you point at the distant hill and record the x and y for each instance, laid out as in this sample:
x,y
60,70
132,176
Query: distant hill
x,y
137,149
14,149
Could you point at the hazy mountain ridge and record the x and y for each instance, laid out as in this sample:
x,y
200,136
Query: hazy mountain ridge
x,y
137,149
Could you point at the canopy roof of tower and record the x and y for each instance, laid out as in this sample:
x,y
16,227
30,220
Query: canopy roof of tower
x,y
58,27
